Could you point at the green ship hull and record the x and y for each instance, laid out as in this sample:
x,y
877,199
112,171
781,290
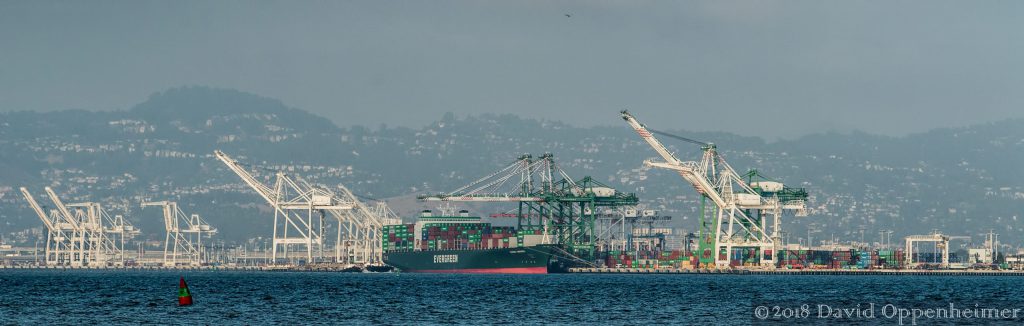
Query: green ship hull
x,y
522,260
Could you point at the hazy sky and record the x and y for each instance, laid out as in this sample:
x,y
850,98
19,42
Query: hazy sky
x,y
770,68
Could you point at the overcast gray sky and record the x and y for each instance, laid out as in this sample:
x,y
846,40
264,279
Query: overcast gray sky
x,y
769,68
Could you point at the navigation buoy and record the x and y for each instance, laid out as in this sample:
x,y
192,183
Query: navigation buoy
x,y
184,295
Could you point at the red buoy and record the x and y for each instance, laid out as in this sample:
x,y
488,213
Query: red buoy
x,y
184,296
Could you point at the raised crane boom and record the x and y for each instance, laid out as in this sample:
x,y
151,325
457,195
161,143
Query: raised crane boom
x,y
646,135
299,212
62,248
266,192
716,180
39,210
690,171
68,217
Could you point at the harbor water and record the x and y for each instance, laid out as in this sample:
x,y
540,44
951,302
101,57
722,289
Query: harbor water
x,y
87,297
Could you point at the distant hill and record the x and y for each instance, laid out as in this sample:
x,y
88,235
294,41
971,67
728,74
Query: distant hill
x,y
962,181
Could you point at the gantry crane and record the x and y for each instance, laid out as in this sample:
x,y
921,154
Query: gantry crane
x,y
81,256
776,198
110,232
62,249
941,244
183,243
93,247
300,209
552,206
87,236
732,226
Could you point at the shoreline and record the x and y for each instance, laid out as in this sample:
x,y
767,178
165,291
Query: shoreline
x,y
635,271
896,272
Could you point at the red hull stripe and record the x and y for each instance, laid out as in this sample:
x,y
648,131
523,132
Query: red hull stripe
x,y
516,270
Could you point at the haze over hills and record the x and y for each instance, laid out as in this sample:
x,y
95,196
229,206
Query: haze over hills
x,y
961,181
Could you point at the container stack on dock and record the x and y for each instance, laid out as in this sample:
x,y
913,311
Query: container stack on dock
x,y
745,257
841,259
796,259
617,258
677,259
818,258
891,258
646,259
867,259
846,258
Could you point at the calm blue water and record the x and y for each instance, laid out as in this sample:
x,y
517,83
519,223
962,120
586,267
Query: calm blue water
x,y
114,297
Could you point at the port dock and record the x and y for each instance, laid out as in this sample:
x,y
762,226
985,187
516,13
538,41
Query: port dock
x,y
262,268
798,271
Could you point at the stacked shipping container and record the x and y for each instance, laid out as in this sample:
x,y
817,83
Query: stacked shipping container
x,y
399,237
793,259
646,259
891,258
471,236
467,236
841,259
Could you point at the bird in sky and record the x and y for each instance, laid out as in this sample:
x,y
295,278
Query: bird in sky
x,y
568,16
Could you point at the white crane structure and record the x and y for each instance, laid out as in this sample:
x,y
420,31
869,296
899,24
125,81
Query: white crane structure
x,y
712,177
619,226
64,243
111,232
299,212
97,248
84,237
775,200
183,244
611,227
941,245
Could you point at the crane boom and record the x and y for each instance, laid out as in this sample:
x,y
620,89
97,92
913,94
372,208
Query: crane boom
x,y
299,211
39,210
263,190
716,180
689,175
63,209
687,171
646,135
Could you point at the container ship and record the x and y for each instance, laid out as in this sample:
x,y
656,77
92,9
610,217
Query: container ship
x,y
464,244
